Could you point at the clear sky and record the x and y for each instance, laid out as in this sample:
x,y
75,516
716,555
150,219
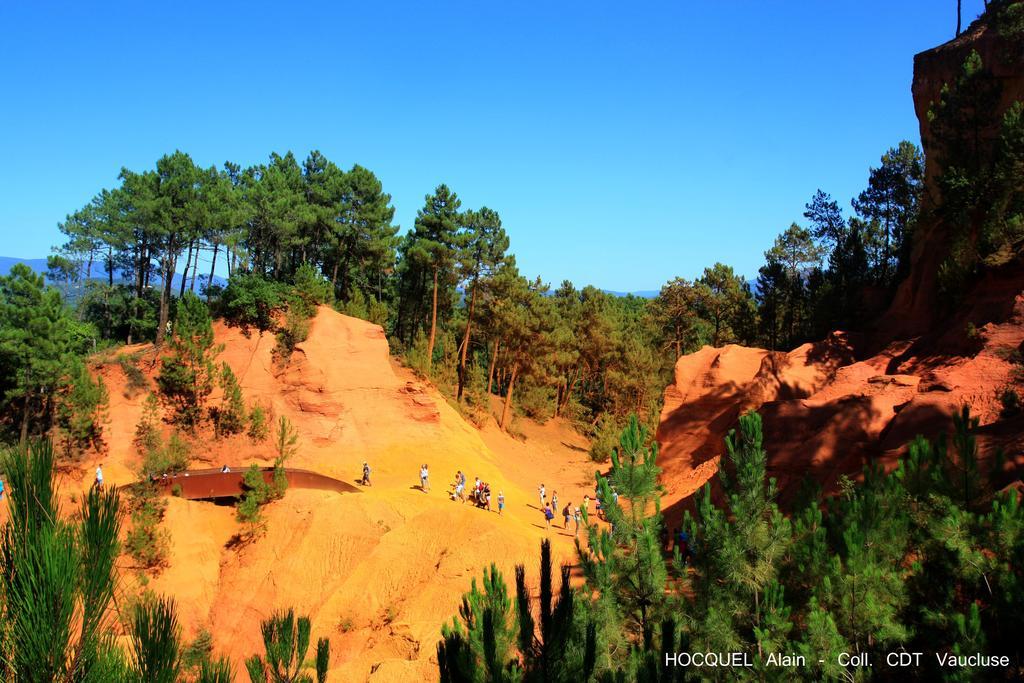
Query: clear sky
x,y
623,143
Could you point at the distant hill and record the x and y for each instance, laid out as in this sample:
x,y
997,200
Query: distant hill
x,y
642,293
98,272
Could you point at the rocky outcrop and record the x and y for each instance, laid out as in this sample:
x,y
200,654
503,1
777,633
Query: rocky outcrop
x,y
914,310
830,408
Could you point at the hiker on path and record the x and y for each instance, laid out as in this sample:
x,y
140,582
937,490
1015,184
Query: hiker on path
x,y
99,477
586,503
460,487
554,501
487,497
501,502
543,496
566,513
1,489
548,516
424,478
366,474
576,519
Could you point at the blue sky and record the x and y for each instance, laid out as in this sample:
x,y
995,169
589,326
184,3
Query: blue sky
x,y
623,144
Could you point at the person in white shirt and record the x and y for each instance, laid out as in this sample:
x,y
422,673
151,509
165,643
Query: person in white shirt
x,y
99,476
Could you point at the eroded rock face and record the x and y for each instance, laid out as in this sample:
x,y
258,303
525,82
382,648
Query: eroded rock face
x,y
914,308
377,570
826,413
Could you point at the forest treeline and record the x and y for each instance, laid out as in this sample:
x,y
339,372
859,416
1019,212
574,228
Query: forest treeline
x,y
448,291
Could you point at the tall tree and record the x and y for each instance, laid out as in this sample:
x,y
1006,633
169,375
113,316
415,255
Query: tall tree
x,y
37,339
483,247
431,252
675,310
797,253
365,249
891,202
826,218
723,299
524,321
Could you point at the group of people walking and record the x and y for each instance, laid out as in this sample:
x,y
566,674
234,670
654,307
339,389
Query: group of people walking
x,y
479,495
569,513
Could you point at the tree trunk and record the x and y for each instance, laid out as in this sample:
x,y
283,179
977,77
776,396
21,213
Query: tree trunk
x,y
433,324
494,361
110,266
465,343
505,411
184,273
24,417
213,266
170,261
195,269
959,4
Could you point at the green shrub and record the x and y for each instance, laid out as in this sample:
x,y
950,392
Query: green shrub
x,y
311,289
365,308
286,441
605,439
136,379
82,409
257,493
168,457
188,372
259,424
416,356
229,416
146,541
536,401
1010,400
198,652
294,331
251,301
147,431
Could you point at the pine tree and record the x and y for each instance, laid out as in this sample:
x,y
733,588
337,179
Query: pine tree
x,y
891,201
187,373
286,641
430,254
625,563
564,648
483,246
739,555
480,648
37,339
230,417
58,575
82,411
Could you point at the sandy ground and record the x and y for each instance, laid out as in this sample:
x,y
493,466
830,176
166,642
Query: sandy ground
x,y
380,570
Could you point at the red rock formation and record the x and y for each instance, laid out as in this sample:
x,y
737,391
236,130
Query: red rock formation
x,y
831,407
